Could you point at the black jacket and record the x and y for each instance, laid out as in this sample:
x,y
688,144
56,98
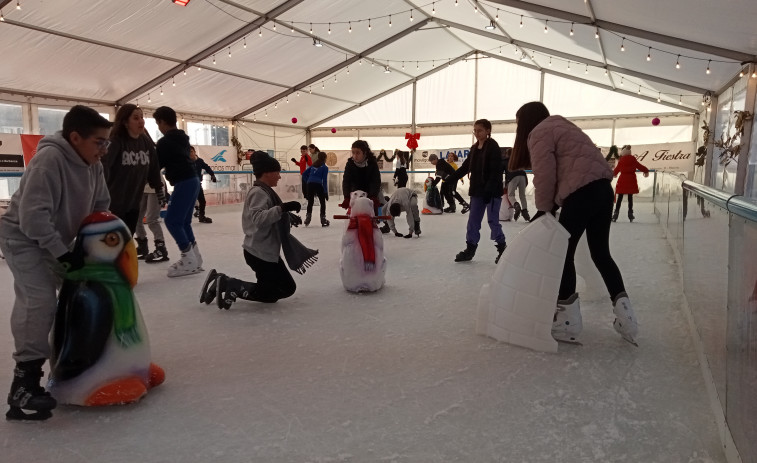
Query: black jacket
x,y
485,167
200,165
173,155
366,178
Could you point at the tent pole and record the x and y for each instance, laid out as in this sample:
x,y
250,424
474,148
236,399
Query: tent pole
x,y
742,182
710,160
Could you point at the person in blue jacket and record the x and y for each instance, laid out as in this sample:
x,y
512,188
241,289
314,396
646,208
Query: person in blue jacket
x,y
316,177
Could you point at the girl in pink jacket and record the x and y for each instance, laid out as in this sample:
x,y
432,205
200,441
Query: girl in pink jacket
x,y
571,173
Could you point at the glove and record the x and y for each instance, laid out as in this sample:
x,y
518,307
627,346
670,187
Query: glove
x,y
398,234
294,220
213,179
294,160
345,204
409,235
71,261
291,206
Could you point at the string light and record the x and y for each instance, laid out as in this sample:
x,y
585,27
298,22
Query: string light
x,y
310,90
649,54
433,8
350,29
173,81
596,33
571,29
622,44
323,85
161,90
149,100
369,23
329,28
550,61
292,27
335,81
475,7
390,20
621,81
639,92
229,52
403,65
266,112
214,59
455,2
411,15
568,66
311,28
680,99
658,96
708,66
287,99
18,5
741,74
185,72
2,18
254,117
245,41
496,18
754,74
678,62
586,71
521,20
274,30
260,32
605,71
546,26
276,105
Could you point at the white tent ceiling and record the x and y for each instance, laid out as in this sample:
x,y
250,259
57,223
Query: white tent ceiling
x,y
113,52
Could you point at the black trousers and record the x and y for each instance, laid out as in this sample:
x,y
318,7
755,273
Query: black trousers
x,y
449,193
201,200
313,190
401,175
130,218
589,209
274,281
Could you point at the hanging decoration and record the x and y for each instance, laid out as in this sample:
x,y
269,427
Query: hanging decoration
x,y
333,130
731,146
294,120
656,121
412,140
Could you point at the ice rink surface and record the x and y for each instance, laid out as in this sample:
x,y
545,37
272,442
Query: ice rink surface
x,y
394,376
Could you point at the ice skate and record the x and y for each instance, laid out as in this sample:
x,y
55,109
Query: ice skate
x,y
625,320
307,220
567,323
615,215
466,254
500,249
324,221
516,214
187,264
198,256
630,215
205,219
142,249
525,214
229,289
160,254
466,208
417,229
27,394
449,210
208,292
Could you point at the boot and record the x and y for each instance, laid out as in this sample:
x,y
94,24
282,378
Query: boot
x,y
615,215
517,208
205,219
567,324
307,220
525,214
229,289
500,249
450,209
197,211
160,254
418,227
466,254
142,248
198,256
187,264
27,394
630,215
208,291
466,208
625,319
324,221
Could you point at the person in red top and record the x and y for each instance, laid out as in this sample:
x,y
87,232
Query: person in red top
x,y
627,185
304,162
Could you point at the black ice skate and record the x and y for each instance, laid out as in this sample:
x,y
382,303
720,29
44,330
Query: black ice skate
x,y
466,208
27,394
205,219
208,292
142,248
418,227
517,208
160,254
466,254
615,215
500,249
449,210
307,220
324,221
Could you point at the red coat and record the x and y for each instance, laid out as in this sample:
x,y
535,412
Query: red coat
x,y
305,162
627,166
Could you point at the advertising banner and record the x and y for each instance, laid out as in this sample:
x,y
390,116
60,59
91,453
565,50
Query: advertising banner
x,y
11,153
29,145
677,157
219,158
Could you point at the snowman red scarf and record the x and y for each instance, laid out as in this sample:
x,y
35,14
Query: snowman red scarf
x,y
365,225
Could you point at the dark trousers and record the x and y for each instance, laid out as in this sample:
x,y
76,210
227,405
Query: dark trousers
x,y
449,193
589,209
130,218
316,189
201,200
401,176
274,281
620,201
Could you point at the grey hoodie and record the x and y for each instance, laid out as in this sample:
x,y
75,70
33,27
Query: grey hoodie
x,y
57,191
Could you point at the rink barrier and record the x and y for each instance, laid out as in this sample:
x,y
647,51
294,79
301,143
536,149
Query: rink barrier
x,y
714,238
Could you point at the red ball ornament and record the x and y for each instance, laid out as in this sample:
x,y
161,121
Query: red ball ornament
x,y
294,120
333,130
656,121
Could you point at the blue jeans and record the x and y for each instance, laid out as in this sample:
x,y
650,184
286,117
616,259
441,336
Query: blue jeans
x,y
477,209
180,209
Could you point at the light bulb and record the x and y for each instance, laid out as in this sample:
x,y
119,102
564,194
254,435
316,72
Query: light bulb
x,y
433,8
649,54
350,29
329,28
596,34
390,20
708,67
245,42
678,62
521,20
546,27
369,24
411,15
571,29
622,44
173,81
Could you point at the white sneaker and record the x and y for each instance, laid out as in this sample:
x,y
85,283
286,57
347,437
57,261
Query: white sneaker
x,y
567,324
196,250
625,322
187,265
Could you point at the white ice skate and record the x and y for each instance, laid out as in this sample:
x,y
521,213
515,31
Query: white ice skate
x,y
187,264
567,324
625,322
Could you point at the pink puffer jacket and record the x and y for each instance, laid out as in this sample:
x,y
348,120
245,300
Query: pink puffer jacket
x,y
563,159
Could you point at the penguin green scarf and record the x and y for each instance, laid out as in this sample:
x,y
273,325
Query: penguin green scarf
x,y
124,313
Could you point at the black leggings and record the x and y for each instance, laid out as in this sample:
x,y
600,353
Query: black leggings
x,y
130,218
620,201
201,200
401,175
274,281
316,189
589,208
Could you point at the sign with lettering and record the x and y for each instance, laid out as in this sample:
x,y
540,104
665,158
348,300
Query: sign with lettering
x,y
219,158
11,153
677,157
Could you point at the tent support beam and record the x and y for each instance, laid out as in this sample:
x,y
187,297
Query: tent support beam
x,y
391,90
603,86
229,39
335,68
601,44
622,29
575,59
743,183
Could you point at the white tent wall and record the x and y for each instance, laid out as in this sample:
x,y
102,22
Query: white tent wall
x,y
284,141
448,95
503,88
393,109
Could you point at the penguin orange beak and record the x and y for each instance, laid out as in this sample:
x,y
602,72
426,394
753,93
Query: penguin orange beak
x,y
127,263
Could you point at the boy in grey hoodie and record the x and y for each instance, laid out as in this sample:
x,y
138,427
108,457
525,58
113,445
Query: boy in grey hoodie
x,y
62,185
404,199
